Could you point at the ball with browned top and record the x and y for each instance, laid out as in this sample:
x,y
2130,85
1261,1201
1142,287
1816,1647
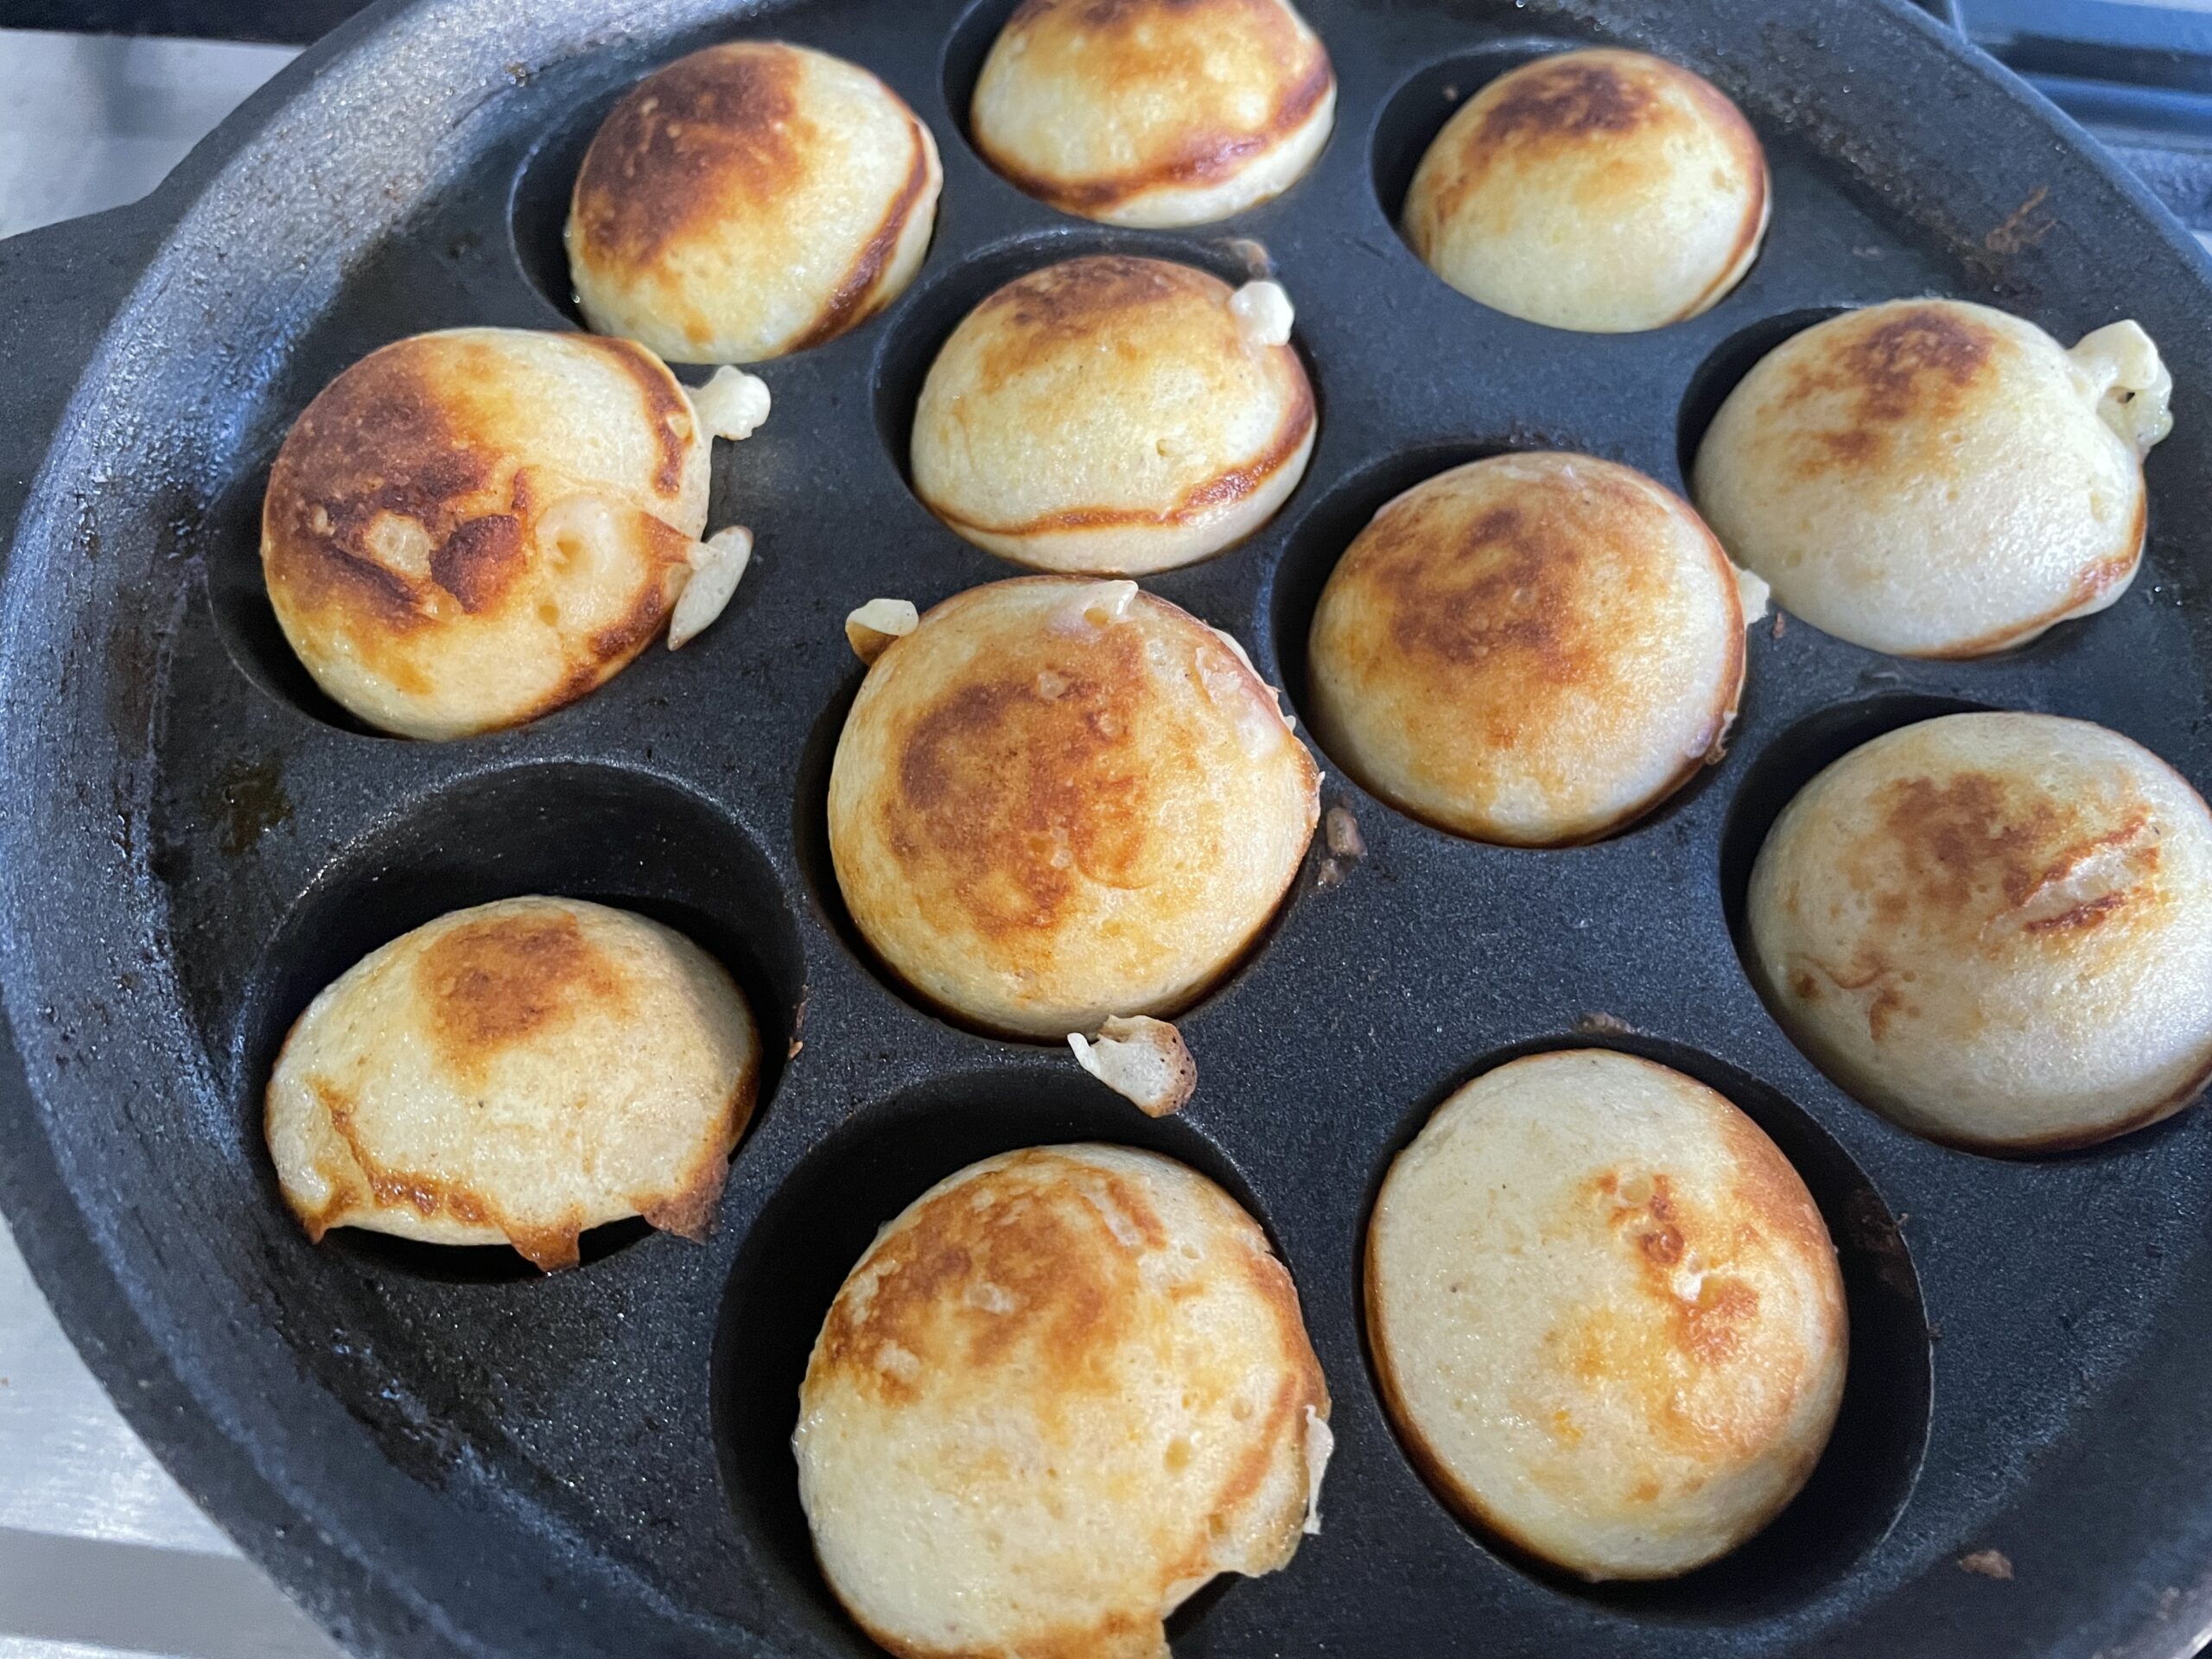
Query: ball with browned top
x,y
1058,800
1602,191
1061,1391
1605,1314
1154,112
469,529
1936,479
1996,929
1533,649
1115,415
750,199
516,1073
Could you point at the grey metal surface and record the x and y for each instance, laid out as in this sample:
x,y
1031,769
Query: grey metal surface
x,y
101,1552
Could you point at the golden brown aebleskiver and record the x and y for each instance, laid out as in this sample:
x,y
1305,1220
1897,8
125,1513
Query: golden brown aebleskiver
x,y
1936,479
751,199
1154,112
1061,799
517,1072
1533,649
1598,190
1115,415
468,529
1996,929
1062,1390
1605,1313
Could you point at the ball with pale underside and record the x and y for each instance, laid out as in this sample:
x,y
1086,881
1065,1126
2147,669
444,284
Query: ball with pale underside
x,y
1603,191
1115,415
751,199
1154,112
516,1073
1058,800
1936,478
1996,929
1061,1391
1533,649
469,529
1605,1314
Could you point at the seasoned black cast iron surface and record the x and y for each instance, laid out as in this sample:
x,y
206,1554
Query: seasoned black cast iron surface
x,y
444,1454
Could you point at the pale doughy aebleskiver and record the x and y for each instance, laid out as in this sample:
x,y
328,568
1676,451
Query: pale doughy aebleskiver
x,y
468,529
1605,1313
1936,479
1115,415
1532,649
1061,1391
1996,929
516,1073
1154,112
750,199
1059,799
1603,191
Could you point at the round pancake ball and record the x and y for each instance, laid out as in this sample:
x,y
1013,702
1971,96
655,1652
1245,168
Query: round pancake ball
x,y
1996,929
1533,649
516,1073
1114,416
467,530
1059,800
1061,1391
1605,1314
1602,191
750,199
1154,112
1936,478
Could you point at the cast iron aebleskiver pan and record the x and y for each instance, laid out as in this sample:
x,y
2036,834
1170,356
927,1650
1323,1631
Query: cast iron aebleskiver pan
x,y
445,1454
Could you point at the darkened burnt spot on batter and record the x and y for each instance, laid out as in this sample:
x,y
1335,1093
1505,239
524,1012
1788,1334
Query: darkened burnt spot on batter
x,y
496,980
1509,582
2088,913
1033,1262
478,562
721,124
1572,100
1953,838
378,451
1015,790
1519,590
1974,848
1916,366
1674,1356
